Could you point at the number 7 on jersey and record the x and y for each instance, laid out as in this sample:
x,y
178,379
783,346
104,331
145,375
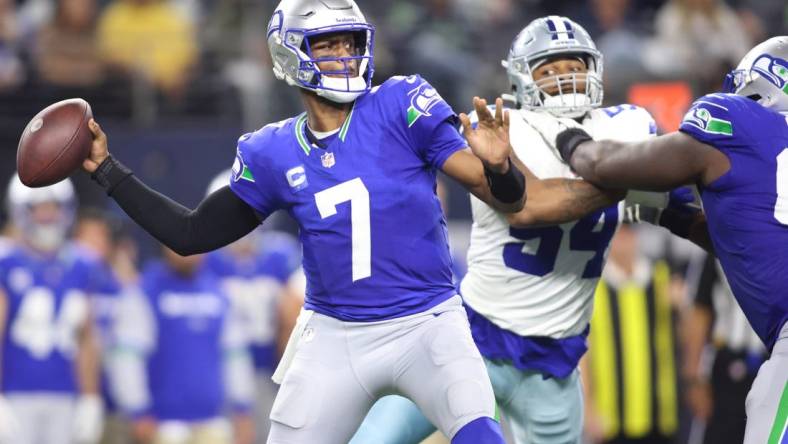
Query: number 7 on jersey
x,y
354,191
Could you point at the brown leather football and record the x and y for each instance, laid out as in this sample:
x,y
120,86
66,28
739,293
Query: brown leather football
x,y
54,143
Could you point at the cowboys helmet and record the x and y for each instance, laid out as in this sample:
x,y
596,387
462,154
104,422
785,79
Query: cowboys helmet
x,y
543,40
762,75
43,235
296,22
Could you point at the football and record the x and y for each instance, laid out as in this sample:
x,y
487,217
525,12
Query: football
x,y
54,143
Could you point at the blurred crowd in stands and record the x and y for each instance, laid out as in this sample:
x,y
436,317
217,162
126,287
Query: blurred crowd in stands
x,y
143,60
177,81
191,66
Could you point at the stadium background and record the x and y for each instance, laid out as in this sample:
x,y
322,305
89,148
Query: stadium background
x,y
174,83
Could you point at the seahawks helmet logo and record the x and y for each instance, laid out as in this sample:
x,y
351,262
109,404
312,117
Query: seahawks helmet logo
x,y
774,70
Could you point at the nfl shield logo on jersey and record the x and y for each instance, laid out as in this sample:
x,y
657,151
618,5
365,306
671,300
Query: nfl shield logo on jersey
x,y
328,159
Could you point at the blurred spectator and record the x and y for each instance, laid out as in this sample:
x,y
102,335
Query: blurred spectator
x,y
11,68
253,271
621,43
181,361
762,18
629,373
722,355
292,302
235,37
696,39
438,49
490,27
66,54
149,38
95,235
49,356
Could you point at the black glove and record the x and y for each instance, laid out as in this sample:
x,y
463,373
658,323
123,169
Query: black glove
x,y
568,140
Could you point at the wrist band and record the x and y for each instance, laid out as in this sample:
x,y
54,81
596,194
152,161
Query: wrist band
x,y
110,173
508,187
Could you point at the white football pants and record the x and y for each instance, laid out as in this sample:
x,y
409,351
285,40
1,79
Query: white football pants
x,y
340,368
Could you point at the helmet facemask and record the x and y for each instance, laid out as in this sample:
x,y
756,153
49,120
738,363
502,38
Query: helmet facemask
x,y
43,216
546,40
294,61
342,80
50,234
563,95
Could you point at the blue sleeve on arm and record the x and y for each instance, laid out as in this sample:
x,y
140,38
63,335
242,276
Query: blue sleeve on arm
x,y
429,121
251,179
710,120
446,140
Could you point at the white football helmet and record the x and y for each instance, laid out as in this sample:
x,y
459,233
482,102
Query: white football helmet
x,y
292,26
46,235
762,75
545,39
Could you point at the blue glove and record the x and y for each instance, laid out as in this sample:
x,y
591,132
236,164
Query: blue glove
x,y
681,199
681,213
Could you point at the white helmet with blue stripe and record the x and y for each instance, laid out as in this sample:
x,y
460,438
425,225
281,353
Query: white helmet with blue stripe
x,y
543,40
295,22
762,75
43,235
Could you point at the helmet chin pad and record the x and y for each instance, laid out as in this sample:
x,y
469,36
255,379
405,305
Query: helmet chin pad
x,y
574,94
567,105
333,88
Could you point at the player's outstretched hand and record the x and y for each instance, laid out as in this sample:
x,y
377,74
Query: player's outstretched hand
x,y
489,141
98,151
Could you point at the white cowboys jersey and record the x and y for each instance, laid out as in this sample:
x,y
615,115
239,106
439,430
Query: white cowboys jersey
x,y
541,281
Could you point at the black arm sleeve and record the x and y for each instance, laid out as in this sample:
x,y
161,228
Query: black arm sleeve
x,y
220,219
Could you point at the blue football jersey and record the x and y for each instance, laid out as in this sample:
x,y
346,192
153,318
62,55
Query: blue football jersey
x,y
278,256
47,305
185,373
374,237
105,289
255,284
747,208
